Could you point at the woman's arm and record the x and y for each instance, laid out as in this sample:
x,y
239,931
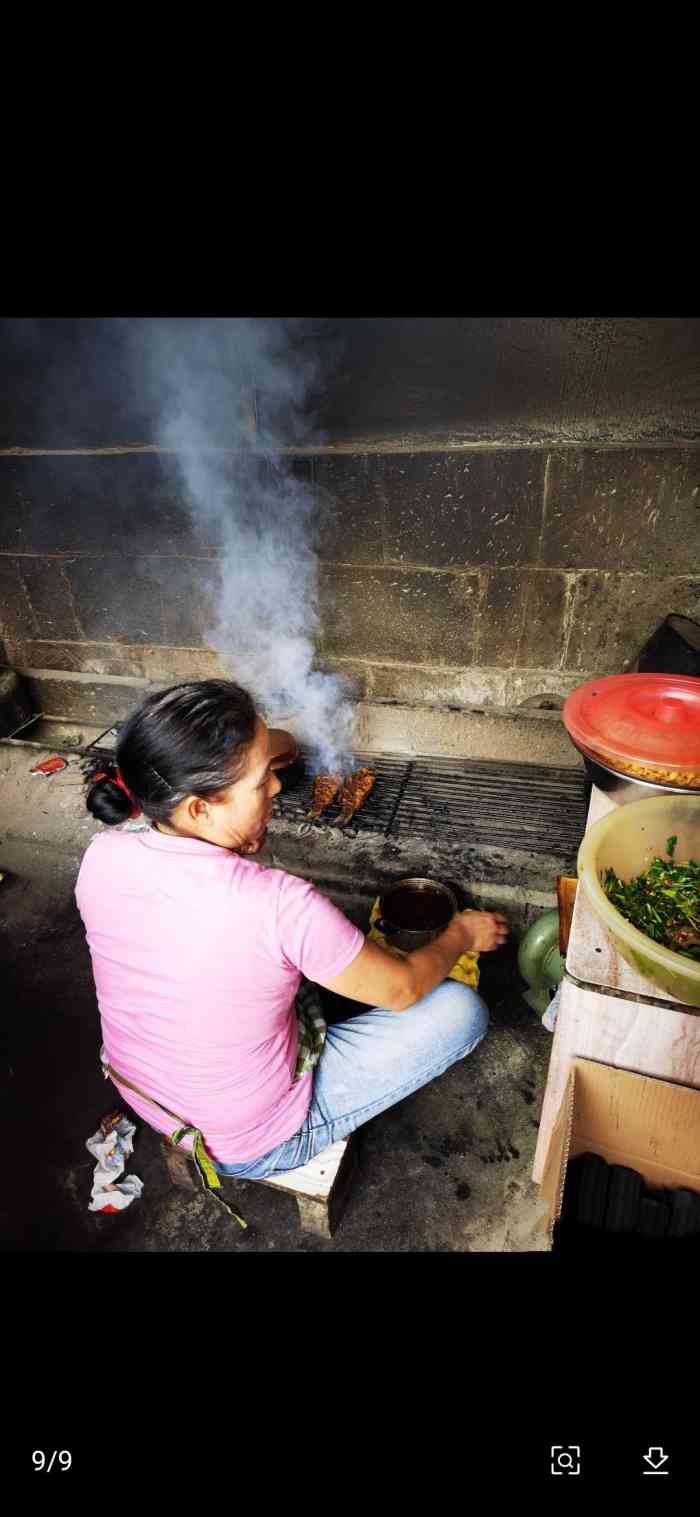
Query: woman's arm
x,y
380,978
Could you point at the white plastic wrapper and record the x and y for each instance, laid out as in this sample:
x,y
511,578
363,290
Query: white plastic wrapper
x,y
549,1019
111,1146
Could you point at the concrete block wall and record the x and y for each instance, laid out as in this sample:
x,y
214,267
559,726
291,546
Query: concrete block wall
x,y
478,575
496,575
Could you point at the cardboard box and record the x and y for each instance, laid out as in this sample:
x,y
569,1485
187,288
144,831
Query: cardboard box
x,y
648,1125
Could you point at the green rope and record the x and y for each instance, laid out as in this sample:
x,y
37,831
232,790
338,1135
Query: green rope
x,y
205,1169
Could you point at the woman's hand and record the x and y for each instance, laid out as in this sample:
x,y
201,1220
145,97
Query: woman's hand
x,y
378,978
483,930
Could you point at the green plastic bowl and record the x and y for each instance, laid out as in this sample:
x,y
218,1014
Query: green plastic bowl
x,y
627,840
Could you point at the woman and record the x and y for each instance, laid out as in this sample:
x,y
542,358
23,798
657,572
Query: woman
x,y
198,952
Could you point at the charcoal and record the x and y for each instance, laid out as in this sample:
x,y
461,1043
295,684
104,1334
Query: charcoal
x,y
609,1206
652,1218
592,1191
685,1214
624,1190
572,1237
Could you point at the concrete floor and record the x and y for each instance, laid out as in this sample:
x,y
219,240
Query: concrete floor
x,y
448,1169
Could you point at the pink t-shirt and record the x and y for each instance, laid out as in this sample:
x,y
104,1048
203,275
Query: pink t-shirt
x,y
197,955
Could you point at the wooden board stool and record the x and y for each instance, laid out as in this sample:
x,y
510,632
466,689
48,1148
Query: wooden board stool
x,y
321,1187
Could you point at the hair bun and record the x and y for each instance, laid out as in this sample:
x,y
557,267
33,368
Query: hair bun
x,y
107,800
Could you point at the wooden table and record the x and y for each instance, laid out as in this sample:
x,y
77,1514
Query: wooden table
x,y
607,1011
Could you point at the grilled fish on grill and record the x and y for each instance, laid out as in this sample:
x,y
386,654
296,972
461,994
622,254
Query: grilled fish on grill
x,y
354,792
326,787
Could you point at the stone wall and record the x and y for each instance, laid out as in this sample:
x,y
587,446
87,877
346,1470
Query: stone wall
x,y
383,382
498,575
506,506
483,575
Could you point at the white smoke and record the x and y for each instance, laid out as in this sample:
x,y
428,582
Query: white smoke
x,y
232,395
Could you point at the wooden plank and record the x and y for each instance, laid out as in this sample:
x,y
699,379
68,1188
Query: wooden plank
x,y
314,1180
322,1218
313,1217
566,896
591,954
650,1040
593,957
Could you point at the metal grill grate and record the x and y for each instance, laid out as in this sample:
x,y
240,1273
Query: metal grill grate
x,y
514,805
377,814
523,806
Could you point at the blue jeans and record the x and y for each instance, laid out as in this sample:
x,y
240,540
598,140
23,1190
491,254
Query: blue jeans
x,y
370,1062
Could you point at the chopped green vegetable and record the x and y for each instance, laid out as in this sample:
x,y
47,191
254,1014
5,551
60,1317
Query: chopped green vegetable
x,y
664,902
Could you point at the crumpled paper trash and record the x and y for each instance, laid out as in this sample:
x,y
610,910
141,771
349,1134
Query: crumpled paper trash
x,y
112,1145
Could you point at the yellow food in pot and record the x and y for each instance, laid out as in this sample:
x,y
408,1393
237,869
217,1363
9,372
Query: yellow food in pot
x,y
656,776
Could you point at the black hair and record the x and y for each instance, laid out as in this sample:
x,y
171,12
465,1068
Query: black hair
x,y
191,739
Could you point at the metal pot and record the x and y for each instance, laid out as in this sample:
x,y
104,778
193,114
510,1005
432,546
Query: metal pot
x,y
285,758
623,788
400,914
284,748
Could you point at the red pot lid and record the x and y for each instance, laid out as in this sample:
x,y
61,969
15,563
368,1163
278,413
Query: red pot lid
x,y
649,718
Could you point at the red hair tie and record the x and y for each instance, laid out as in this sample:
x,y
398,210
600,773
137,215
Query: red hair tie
x,y
117,780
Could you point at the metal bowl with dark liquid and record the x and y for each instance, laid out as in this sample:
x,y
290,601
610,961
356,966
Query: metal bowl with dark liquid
x,y
415,911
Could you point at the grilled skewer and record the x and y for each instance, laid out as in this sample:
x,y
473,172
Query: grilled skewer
x,y
354,793
326,787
